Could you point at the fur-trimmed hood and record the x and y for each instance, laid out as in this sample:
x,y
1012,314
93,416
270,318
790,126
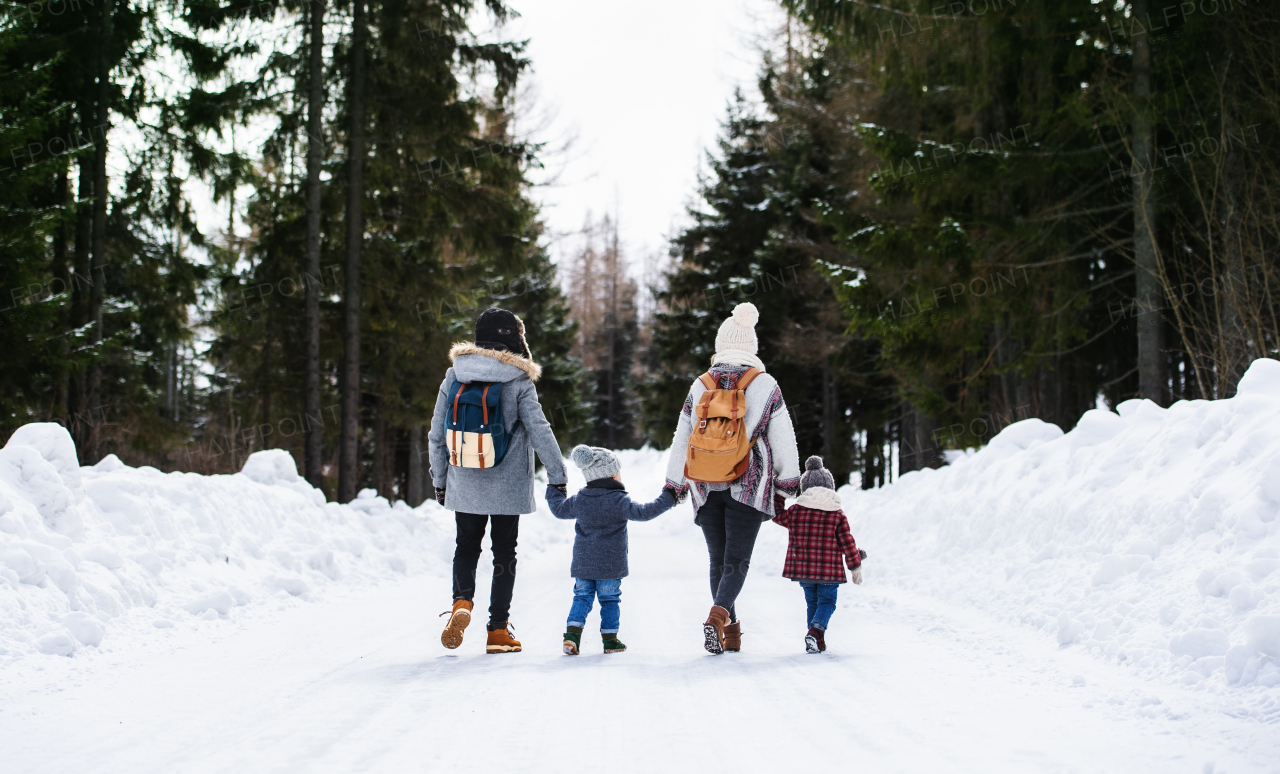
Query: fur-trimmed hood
x,y
532,369
820,499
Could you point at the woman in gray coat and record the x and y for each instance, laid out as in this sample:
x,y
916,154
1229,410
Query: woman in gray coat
x,y
500,493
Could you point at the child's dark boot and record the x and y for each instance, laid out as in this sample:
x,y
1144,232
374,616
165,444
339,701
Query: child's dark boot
x,y
813,641
573,640
611,643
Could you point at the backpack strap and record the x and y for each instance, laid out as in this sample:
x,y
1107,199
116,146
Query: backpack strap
x,y
457,395
703,409
747,377
700,411
453,434
484,404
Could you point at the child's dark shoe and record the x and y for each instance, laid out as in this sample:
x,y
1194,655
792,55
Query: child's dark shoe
x,y
813,641
572,641
612,644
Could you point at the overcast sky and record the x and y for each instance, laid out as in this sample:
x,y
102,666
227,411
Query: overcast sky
x,y
641,87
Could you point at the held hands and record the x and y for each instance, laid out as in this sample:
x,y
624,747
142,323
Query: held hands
x,y
561,488
440,495
676,494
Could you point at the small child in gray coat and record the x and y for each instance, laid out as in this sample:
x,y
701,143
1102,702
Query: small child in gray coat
x,y
602,510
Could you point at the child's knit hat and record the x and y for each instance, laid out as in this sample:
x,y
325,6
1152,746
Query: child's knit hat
x,y
816,475
596,463
739,330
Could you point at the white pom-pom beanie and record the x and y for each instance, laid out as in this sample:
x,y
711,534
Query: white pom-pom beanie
x,y
739,330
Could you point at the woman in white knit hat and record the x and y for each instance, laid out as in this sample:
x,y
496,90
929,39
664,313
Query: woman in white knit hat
x,y
731,513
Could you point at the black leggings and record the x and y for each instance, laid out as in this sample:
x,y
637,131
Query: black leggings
x,y
467,555
730,529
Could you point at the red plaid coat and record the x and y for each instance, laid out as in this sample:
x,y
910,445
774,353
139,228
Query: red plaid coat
x,y
816,542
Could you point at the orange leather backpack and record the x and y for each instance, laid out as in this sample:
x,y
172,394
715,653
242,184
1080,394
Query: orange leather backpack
x,y
718,445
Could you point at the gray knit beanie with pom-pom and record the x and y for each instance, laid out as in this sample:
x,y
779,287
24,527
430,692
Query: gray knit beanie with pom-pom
x,y
816,475
597,463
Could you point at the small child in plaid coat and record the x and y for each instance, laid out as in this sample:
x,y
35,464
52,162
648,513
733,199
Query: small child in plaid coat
x,y
819,537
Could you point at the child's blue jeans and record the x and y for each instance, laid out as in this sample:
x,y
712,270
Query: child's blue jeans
x,y
821,599
585,592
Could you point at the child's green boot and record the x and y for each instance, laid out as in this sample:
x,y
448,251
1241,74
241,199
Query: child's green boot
x,y
572,640
611,643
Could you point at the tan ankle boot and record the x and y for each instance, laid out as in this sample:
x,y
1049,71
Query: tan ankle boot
x,y
458,620
733,637
713,629
501,641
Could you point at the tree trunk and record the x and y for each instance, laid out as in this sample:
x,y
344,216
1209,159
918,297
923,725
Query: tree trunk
x,y
916,449
381,470
99,130
873,468
1146,260
62,272
417,477
61,239
1236,349
268,430
171,382
348,460
314,445
81,290
830,405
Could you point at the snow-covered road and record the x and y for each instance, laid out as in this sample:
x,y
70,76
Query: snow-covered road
x,y
359,682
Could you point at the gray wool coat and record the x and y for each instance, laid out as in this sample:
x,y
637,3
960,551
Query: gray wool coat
x,y
602,510
506,488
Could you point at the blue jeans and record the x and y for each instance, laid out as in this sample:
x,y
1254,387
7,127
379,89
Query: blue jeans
x,y
821,599
585,592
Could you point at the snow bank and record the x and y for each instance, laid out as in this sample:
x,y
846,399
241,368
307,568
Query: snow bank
x,y
1149,537
86,550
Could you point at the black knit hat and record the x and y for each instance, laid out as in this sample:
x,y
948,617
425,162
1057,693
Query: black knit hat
x,y
501,330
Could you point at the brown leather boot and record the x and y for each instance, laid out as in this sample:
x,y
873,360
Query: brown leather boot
x,y
458,620
713,629
733,637
501,641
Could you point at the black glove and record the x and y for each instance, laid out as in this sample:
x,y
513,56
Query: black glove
x,y
861,555
561,488
440,495
676,494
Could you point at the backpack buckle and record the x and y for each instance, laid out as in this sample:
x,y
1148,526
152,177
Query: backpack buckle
x,y
702,425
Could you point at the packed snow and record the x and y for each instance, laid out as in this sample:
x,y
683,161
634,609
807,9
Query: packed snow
x,y
1101,600
1147,537
85,552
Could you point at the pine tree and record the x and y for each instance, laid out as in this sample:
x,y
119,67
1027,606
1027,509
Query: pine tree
x,y
754,239
603,301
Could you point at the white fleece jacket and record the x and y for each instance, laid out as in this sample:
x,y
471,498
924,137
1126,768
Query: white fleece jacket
x,y
774,460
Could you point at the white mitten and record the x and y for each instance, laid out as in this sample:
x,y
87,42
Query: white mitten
x,y
857,576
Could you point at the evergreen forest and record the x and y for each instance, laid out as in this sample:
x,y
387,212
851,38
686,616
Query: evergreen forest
x,y
951,216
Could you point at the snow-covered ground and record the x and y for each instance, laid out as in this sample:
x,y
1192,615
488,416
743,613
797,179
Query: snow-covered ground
x,y
1106,600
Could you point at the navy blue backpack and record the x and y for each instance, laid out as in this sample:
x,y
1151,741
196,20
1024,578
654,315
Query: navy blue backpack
x,y
474,432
